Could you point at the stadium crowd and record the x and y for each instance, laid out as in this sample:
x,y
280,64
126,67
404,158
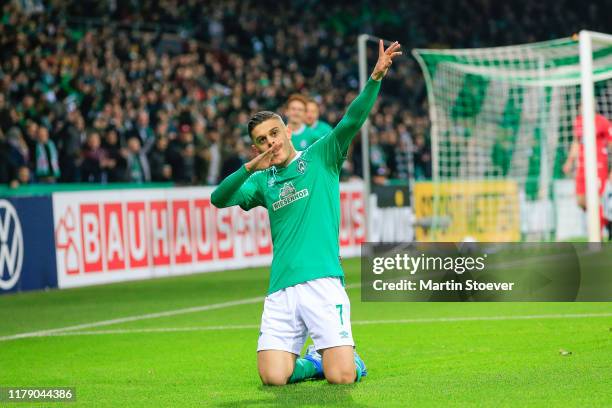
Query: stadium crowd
x,y
106,91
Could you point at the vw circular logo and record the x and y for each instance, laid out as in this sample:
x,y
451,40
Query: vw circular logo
x,y
11,246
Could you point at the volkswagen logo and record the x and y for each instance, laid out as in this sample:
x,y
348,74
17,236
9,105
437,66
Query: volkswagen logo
x,y
11,246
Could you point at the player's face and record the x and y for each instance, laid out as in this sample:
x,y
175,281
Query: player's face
x,y
296,112
312,113
269,133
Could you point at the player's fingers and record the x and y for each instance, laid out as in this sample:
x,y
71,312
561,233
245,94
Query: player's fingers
x,y
392,48
395,54
381,47
268,151
273,149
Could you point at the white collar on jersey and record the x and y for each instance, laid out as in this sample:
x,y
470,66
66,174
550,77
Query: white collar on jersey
x,y
297,156
300,130
275,170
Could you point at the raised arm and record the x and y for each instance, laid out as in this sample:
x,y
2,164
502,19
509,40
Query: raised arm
x,y
360,108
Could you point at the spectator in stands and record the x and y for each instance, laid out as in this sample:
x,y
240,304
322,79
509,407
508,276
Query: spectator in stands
x,y
94,161
5,165
6,120
233,58
69,139
234,155
181,156
46,158
161,171
23,177
379,170
31,134
144,131
389,146
215,160
19,153
115,156
403,154
422,158
137,164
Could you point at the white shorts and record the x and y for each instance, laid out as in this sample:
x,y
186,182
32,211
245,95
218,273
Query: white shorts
x,y
319,308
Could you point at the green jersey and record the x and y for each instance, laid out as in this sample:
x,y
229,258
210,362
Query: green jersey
x,y
320,128
304,137
303,201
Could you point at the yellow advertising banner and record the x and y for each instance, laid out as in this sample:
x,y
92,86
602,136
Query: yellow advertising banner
x,y
487,211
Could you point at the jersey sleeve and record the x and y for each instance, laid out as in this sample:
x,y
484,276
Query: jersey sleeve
x,y
334,146
239,188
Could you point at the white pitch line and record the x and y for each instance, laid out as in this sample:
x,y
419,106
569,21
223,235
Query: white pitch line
x,y
355,323
175,312
195,309
486,318
157,330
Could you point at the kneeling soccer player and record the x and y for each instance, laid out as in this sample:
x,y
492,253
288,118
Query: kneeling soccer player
x,y
306,295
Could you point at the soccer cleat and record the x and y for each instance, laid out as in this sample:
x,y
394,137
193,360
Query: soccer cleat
x,y
361,364
313,356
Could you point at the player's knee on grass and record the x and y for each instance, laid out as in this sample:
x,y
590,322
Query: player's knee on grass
x,y
273,378
275,367
274,374
344,374
339,365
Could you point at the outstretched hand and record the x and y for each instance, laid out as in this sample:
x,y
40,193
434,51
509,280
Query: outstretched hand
x,y
385,59
263,160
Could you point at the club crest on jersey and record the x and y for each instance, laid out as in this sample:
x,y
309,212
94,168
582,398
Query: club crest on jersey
x,y
288,195
301,166
286,190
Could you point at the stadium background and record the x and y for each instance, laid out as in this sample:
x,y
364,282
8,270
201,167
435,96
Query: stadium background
x,y
158,68
191,73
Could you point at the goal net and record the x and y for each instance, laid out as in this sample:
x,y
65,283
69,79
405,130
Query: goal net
x,y
502,124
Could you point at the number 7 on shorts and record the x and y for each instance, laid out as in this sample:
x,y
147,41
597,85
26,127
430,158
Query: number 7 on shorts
x,y
339,307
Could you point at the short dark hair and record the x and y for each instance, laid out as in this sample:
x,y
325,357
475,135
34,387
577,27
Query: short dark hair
x,y
259,118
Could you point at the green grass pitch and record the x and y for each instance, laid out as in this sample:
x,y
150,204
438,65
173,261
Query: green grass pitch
x,y
418,354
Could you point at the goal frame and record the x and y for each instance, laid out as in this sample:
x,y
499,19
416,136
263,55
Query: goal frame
x,y
585,43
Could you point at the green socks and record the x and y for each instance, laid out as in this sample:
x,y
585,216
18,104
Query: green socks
x,y
303,370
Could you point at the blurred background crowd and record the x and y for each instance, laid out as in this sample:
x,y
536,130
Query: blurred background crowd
x,y
141,91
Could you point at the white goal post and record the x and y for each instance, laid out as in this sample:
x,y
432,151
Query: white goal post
x,y
586,40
